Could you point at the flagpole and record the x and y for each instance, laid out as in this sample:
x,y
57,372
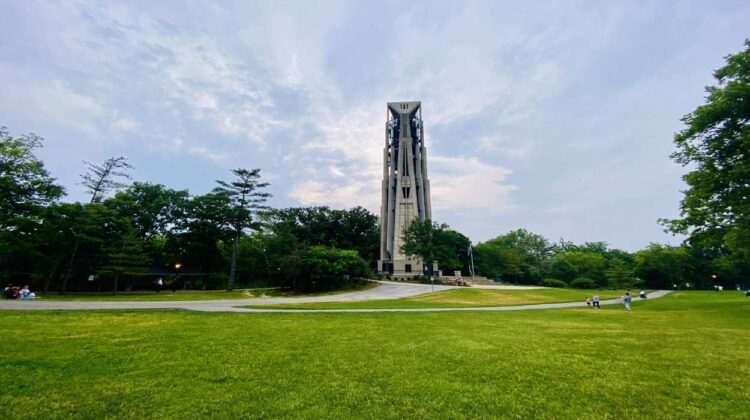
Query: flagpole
x,y
471,255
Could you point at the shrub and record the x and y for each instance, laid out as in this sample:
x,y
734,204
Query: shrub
x,y
583,283
554,283
324,268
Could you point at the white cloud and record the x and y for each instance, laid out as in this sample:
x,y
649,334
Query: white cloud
x,y
512,148
347,195
203,151
216,88
125,124
344,161
460,184
290,39
51,101
119,48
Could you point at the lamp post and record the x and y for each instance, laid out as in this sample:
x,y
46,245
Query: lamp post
x,y
717,286
177,267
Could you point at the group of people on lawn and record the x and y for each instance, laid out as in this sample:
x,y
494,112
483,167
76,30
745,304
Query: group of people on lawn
x,y
17,292
626,300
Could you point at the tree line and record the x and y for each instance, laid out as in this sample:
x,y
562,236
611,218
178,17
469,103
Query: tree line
x,y
524,257
128,234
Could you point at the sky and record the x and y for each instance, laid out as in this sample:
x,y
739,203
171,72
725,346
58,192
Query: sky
x,y
556,116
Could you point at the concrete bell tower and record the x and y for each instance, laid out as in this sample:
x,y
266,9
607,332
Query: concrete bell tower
x,y
405,187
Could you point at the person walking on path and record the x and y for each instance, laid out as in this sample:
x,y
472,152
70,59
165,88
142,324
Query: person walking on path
x,y
626,300
596,301
588,302
159,285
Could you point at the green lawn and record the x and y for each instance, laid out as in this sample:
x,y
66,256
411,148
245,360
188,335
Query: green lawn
x,y
462,298
682,356
167,294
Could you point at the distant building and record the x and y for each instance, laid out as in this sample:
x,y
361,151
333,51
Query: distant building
x,y
405,188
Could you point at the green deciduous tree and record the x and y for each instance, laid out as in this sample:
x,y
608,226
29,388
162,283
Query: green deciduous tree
x,y
431,241
420,240
208,220
561,268
326,268
152,208
25,185
518,256
26,188
662,266
452,250
355,228
715,144
585,264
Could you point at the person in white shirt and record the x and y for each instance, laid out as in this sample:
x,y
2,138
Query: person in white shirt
x,y
26,294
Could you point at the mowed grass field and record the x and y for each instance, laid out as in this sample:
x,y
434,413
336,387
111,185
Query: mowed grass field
x,y
184,295
461,298
682,356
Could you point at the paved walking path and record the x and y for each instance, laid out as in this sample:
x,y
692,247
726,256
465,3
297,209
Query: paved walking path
x,y
387,290
653,295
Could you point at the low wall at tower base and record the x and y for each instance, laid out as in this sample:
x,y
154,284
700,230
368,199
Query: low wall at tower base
x,y
401,268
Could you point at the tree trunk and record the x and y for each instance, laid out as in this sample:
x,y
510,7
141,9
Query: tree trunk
x,y
233,265
51,275
114,289
70,266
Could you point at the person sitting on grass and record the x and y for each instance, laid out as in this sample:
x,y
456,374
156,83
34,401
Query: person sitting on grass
x,y
27,294
12,292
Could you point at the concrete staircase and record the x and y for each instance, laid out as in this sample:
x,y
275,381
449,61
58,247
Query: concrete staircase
x,y
468,280
479,280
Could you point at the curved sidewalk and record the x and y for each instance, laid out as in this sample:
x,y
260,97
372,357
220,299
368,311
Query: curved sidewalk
x,y
653,295
387,290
